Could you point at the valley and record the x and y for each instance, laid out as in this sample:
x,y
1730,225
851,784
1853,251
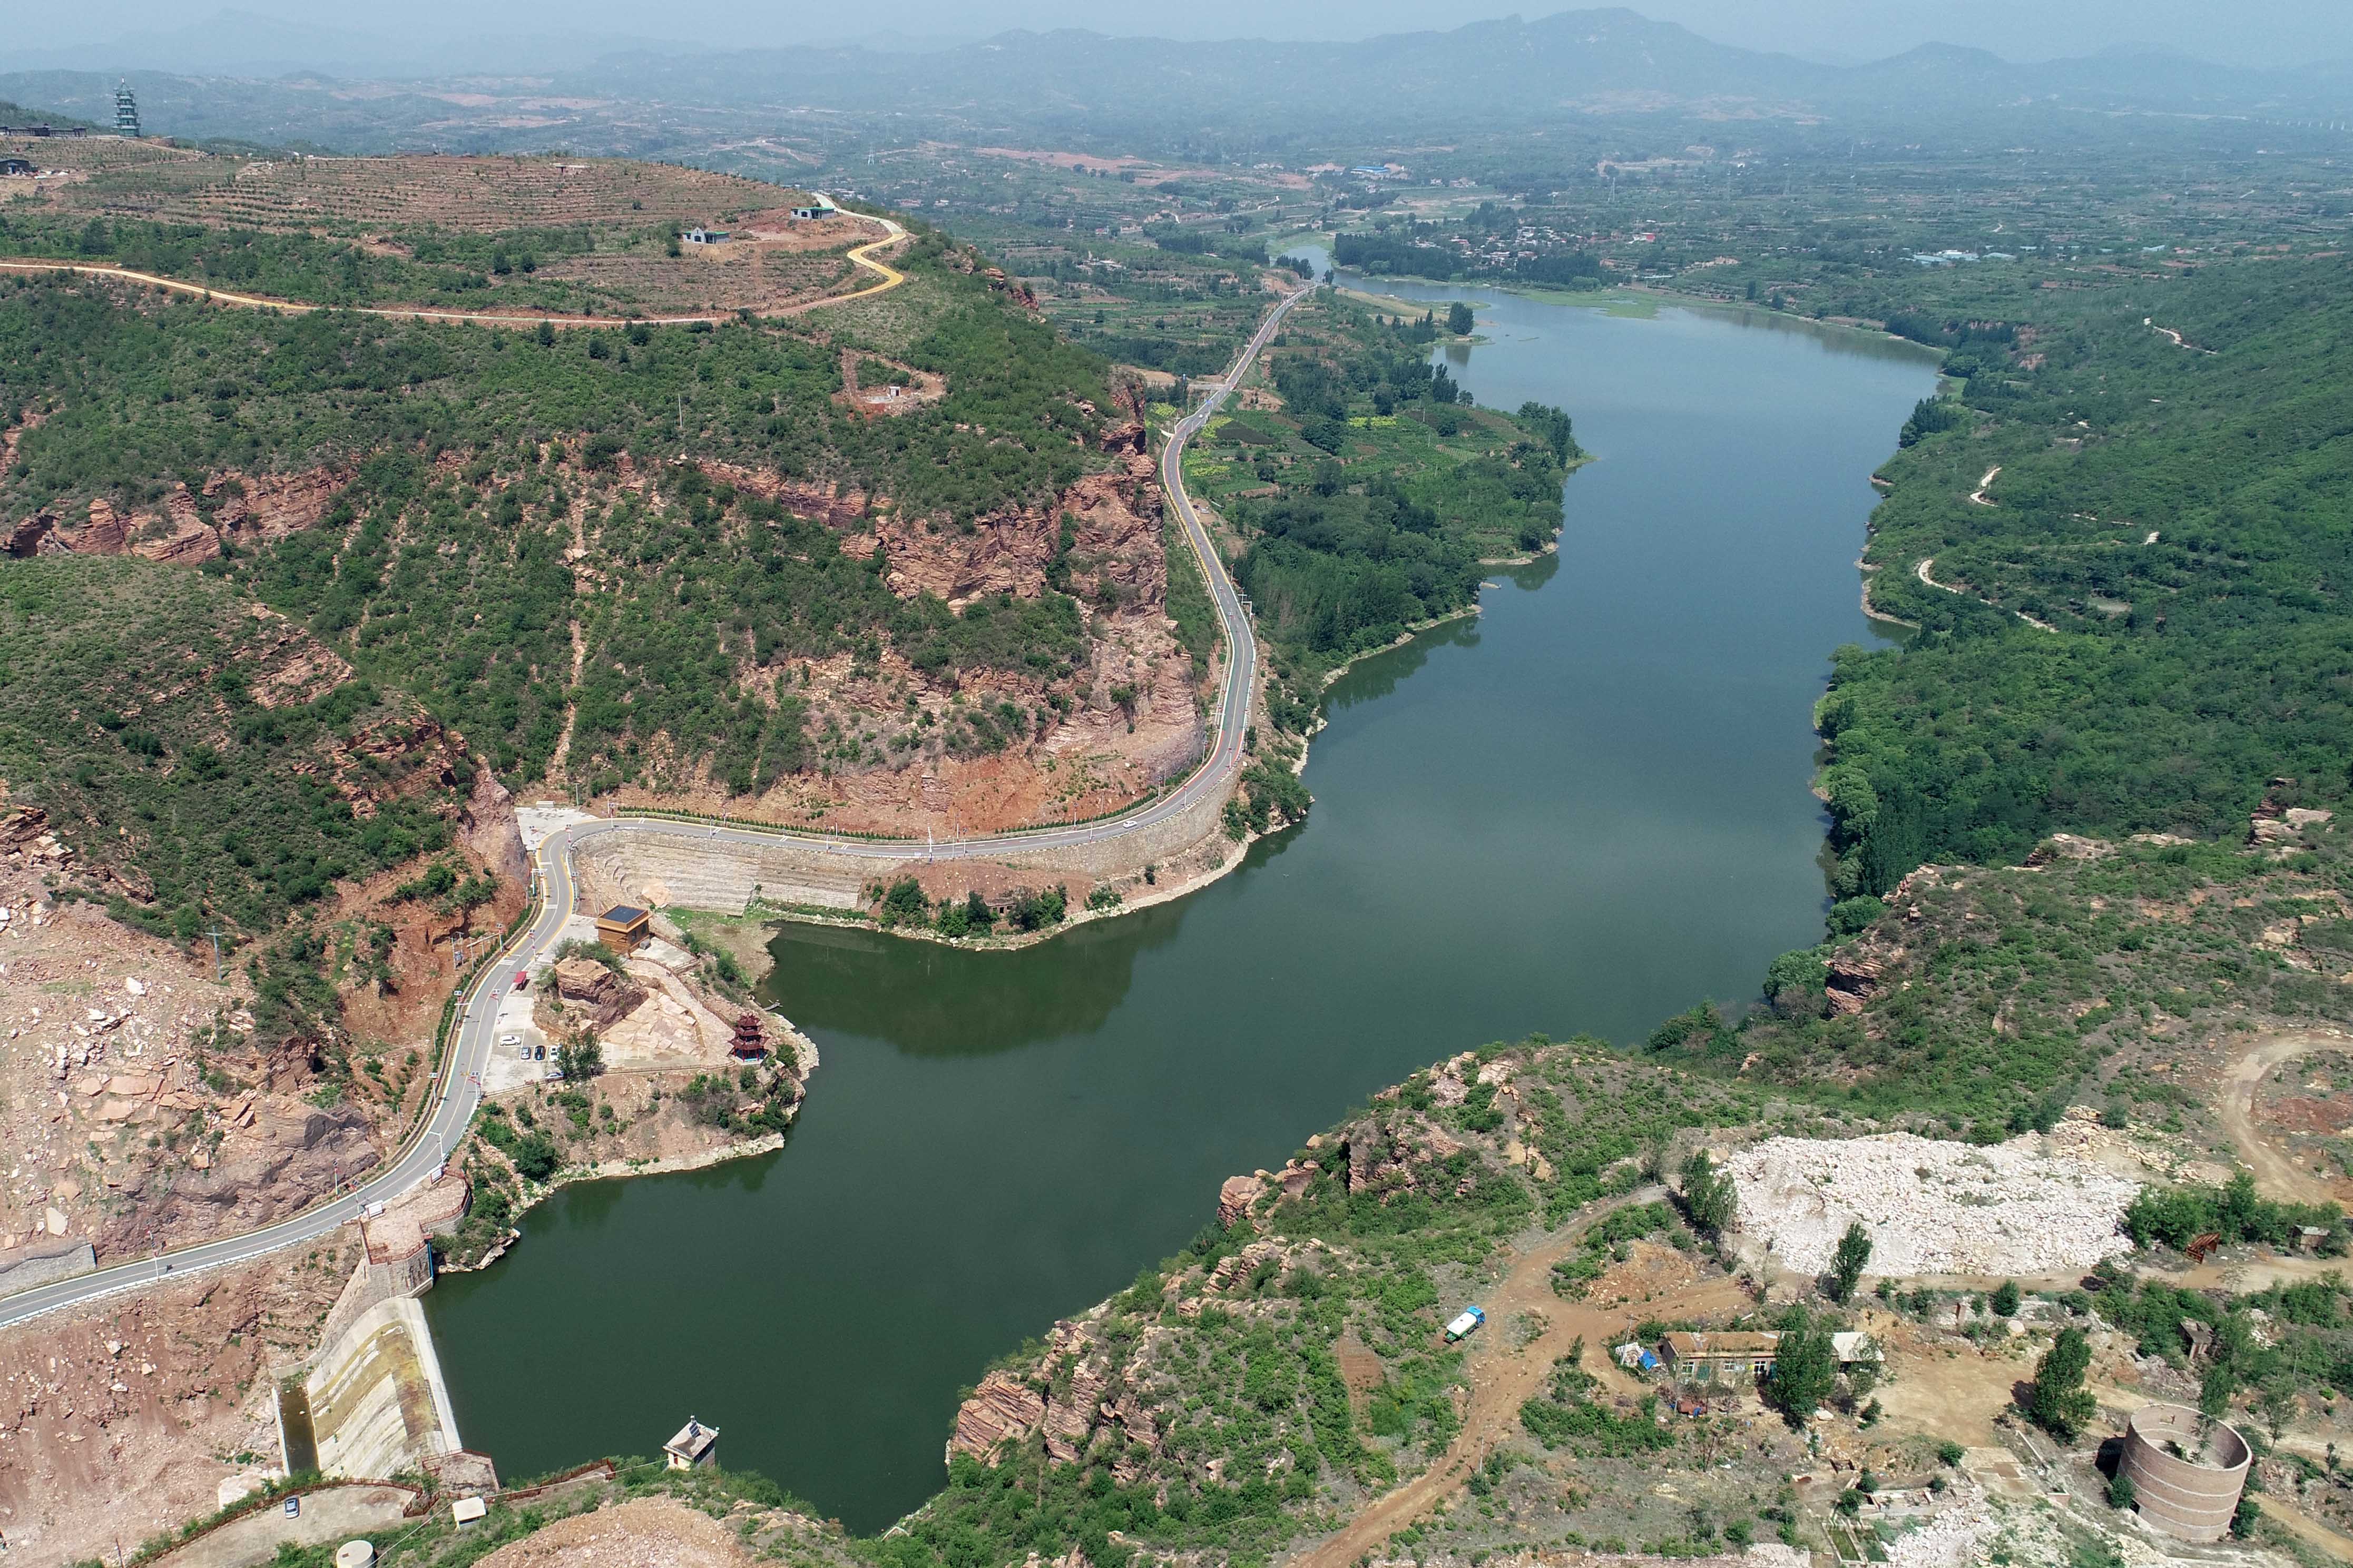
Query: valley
x,y
863,768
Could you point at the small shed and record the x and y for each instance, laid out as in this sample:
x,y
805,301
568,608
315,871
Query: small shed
x,y
623,927
1636,1358
704,236
468,1511
1853,1347
819,207
19,167
694,1444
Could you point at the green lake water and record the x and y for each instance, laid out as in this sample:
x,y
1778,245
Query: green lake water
x,y
1582,810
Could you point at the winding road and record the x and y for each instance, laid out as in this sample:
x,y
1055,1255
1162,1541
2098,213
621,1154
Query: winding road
x,y
458,1089
861,256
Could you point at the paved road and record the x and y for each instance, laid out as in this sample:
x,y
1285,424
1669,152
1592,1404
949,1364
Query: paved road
x,y
458,1090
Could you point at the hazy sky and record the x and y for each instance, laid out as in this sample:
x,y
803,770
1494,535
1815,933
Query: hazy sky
x,y
2251,32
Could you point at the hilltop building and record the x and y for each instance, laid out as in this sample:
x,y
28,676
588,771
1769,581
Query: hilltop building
x,y
819,205
126,111
703,237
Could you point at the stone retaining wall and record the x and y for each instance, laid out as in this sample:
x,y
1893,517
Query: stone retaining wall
x,y
682,871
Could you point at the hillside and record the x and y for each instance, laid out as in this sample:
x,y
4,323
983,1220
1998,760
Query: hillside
x,y
287,851
560,235
683,562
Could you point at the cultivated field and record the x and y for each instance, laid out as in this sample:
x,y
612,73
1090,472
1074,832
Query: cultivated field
x,y
344,195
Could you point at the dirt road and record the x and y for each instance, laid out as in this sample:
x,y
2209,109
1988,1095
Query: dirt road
x,y
1979,495
1503,1379
862,256
2277,1174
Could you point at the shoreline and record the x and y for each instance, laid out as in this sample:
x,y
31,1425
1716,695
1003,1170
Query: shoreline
x,y
616,1169
772,918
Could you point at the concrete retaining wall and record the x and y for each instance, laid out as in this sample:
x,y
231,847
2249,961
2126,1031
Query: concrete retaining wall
x,y
665,869
2192,1497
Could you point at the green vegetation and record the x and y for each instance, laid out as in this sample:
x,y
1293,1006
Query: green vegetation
x,y
1567,1416
1241,1372
1805,1367
1847,1262
2088,962
2232,1212
2175,513
2058,1402
1367,505
195,755
479,457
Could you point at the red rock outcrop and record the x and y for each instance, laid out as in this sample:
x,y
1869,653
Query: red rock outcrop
x,y
255,508
609,997
1235,1198
1002,1407
1856,973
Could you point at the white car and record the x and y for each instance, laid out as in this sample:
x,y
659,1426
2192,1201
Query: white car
x,y
510,1039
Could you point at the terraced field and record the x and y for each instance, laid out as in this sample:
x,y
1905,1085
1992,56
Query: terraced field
x,y
470,195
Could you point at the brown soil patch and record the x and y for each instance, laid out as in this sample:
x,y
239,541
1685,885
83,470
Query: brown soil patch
x,y
2279,1174
1939,1387
114,1444
1503,1378
650,1532
1361,1369
2310,1116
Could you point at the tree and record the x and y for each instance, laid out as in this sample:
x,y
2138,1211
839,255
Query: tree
x,y
1846,1263
582,1057
2121,1491
904,903
1805,1367
1709,1198
1459,319
2004,1301
2059,1403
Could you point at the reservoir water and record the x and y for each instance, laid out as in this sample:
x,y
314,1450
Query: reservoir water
x,y
1582,810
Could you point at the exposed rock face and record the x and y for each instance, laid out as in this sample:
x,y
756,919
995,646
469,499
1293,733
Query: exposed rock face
x,y
1117,541
1002,1407
610,997
256,509
487,829
1235,1198
1856,973
280,1160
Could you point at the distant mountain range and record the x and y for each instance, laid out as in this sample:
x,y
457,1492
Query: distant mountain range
x,y
1571,62
1484,76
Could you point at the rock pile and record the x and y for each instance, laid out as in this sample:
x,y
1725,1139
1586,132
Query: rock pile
x,y
1930,1207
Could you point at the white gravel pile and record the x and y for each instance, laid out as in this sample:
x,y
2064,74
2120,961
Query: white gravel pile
x,y
1930,1207
1948,1540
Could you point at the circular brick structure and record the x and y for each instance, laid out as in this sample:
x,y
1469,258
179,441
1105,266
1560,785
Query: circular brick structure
x,y
2187,1470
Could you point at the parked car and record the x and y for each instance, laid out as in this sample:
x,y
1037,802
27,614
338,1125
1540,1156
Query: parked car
x,y
294,1507
510,1039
